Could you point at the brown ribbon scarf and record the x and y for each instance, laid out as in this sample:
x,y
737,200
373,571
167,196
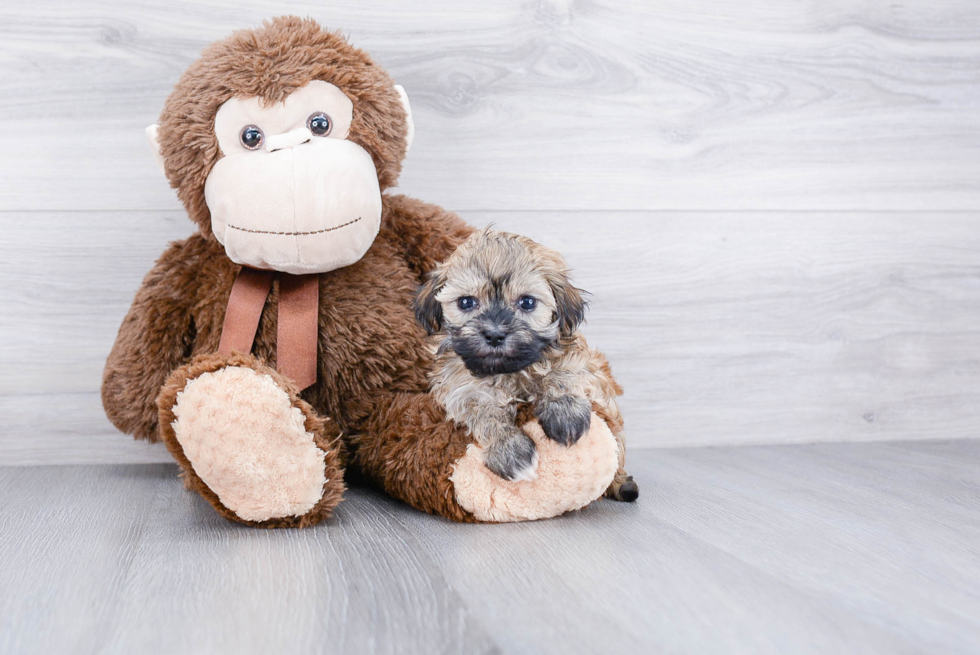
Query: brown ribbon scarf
x,y
299,320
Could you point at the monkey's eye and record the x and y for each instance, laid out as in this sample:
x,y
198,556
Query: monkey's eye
x,y
320,124
527,303
251,137
467,303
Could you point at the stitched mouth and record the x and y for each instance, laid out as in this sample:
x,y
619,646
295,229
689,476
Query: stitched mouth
x,y
297,234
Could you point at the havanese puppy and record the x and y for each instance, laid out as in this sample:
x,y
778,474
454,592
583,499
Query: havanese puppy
x,y
504,318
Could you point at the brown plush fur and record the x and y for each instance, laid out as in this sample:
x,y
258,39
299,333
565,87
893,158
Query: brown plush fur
x,y
373,358
326,436
372,363
270,62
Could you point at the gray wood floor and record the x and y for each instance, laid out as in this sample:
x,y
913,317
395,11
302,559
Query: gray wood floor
x,y
831,548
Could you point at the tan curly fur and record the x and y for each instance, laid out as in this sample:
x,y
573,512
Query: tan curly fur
x,y
498,269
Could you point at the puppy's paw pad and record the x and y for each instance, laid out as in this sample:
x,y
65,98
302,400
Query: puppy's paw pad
x,y
565,419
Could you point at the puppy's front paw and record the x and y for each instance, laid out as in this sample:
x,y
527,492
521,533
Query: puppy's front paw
x,y
514,458
565,419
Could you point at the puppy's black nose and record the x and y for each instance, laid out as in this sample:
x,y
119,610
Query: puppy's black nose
x,y
494,336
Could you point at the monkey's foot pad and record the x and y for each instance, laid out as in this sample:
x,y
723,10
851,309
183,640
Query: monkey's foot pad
x,y
249,445
569,477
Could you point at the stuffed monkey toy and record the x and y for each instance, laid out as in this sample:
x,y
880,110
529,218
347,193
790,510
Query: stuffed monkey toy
x,y
277,345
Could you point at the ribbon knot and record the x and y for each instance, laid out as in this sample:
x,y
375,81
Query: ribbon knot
x,y
299,320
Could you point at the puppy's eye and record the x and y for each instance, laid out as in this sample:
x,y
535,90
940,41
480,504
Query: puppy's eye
x,y
251,137
467,303
527,303
319,123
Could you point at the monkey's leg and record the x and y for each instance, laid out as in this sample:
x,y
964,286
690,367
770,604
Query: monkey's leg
x,y
248,444
409,447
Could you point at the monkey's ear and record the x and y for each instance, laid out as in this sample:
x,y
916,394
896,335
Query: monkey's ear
x,y
410,131
428,310
569,305
152,136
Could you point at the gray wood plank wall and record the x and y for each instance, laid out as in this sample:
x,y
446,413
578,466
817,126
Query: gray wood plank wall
x,y
775,207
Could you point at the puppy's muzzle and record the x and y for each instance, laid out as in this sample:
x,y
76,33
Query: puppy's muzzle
x,y
495,335
497,342
495,326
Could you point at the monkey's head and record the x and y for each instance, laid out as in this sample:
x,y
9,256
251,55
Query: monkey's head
x,y
280,140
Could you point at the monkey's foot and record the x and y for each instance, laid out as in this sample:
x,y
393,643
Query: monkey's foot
x,y
248,444
569,477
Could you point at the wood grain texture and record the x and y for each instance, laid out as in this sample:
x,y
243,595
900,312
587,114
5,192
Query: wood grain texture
x,y
567,121
550,104
832,548
723,328
123,560
794,549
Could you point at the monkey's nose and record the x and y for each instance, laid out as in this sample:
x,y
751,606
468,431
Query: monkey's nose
x,y
288,140
494,336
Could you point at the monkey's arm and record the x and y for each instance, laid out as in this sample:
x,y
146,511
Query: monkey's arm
x,y
156,337
427,233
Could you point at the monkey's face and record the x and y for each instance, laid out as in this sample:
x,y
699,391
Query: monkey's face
x,y
501,300
279,141
290,192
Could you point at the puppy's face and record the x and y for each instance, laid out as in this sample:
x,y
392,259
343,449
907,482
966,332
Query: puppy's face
x,y
502,300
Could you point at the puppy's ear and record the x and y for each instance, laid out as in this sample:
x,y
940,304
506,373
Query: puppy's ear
x,y
569,305
428,310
